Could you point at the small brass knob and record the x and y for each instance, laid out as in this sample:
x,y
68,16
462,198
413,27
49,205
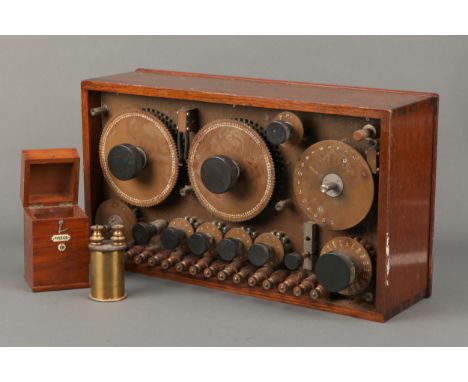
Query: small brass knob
x,y
96,237
118,237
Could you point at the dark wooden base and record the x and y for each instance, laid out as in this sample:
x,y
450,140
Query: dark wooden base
x,y
55,287
345,307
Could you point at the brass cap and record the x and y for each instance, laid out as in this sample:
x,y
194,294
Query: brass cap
x,y
118,237
96,237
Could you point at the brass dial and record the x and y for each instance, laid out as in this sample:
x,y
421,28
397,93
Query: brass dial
x,y
232,144
152,181
356,252
240,233
268,248
333,185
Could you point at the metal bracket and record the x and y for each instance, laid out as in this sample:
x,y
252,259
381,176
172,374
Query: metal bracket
x,y
372,157
187,122
310,244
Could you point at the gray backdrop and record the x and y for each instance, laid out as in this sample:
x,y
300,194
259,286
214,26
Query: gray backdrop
x,y
40,107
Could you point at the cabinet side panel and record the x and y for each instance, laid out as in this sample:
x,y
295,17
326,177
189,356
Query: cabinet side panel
x,y
28,248
433,191
91,168
409,217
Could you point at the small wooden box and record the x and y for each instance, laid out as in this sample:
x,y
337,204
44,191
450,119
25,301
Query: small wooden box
x,y
55,229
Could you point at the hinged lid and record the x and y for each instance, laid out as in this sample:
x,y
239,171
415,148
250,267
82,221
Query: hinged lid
x,y
49,177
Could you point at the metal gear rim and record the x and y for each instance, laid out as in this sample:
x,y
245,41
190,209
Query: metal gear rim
x,y
161,196
270,168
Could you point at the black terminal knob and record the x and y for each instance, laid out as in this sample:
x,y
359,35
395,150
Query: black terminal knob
x,y
293,260
334,271
172,237
143,232
259,254
278,132
199,243
126,161
219,174
230,248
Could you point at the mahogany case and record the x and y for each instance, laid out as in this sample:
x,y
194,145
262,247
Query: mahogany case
x,y
55,229
400,225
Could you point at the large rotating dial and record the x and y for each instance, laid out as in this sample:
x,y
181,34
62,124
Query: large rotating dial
x,y
231,170
333,185
139,158
344,266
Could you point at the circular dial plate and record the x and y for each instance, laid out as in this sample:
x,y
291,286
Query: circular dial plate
x,y
359,256
245,146
156,181
210,229
241,234
274,242
182,224
353,204
114,211
296,123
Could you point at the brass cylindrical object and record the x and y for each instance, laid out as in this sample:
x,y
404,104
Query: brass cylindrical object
x,y
201,264
158,258
107,270
368,131
309,283
149,251
187,262
261,274
318,292
291,281
215,267
231,269
245,272
275,278
173,259
133,251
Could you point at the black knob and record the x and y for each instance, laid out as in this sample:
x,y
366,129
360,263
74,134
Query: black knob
x,y
199,243
293,261
278,132
219,174
171,238
143,232
260,254
334,271
229,248
126,161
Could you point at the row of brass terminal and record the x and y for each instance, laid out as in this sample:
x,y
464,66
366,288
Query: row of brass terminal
x,y
299,282
239,254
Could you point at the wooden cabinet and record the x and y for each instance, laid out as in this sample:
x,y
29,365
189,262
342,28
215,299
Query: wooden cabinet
x,y
399,226
55,229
